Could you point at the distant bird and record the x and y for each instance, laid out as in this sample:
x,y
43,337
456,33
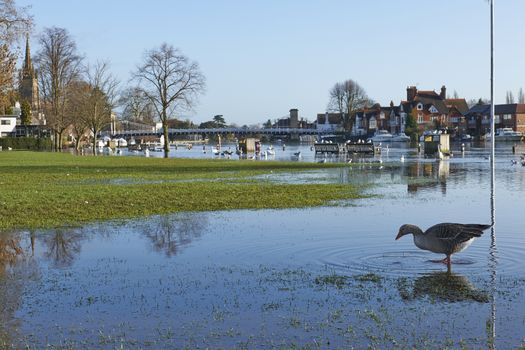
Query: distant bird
x,y
349,161
513,162
297,154
444,238
402,158
322,161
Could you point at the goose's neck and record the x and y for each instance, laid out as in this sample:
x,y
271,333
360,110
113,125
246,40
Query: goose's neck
x,y
416,231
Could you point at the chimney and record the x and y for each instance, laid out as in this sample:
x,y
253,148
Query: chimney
x,y
443,93
411,93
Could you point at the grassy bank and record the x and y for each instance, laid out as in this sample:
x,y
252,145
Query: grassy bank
x,y
53,189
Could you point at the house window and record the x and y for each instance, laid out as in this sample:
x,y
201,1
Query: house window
x,y
420,118
419,106
6,122
373,123
507,117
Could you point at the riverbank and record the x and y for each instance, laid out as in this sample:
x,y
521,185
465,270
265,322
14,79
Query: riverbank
x,y
43,190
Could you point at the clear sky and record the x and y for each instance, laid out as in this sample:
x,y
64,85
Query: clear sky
x,y
263,57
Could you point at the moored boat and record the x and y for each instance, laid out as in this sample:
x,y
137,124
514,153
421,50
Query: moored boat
x,y
506,134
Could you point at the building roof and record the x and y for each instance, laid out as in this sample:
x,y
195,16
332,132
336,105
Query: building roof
x,y
432,99
484,109
459,103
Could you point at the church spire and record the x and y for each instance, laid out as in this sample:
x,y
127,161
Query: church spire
x,y
28,65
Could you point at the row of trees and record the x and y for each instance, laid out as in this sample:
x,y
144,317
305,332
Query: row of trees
x,y
509,98
81,97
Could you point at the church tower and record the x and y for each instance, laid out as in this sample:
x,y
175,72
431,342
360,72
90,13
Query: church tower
x,y
29,83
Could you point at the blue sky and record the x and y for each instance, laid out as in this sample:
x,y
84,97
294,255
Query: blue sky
x,y
261,58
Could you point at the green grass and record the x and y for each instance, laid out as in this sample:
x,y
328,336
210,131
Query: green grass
x,y
42,190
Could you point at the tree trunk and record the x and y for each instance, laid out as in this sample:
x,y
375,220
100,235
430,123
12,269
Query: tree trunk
x,y
77,144
59,145
166,139
94,145
55,141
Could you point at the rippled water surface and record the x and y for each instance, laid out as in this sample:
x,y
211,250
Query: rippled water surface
x,y
330,277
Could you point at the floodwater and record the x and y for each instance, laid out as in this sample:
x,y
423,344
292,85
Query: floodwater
x,y
327,278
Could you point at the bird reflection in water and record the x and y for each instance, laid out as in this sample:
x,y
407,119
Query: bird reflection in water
x,y
442,286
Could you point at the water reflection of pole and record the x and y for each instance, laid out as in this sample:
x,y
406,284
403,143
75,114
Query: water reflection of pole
x,y
493,249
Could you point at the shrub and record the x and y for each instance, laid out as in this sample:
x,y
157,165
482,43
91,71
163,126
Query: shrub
x,y
26,143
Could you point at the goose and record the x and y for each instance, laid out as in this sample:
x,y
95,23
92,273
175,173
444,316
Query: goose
x,y
297,154
444,238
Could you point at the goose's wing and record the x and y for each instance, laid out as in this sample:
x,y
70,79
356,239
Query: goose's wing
x,y
452,234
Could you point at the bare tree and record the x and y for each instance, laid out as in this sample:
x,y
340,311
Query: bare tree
x,y
171,82
346,98
99,99
509,97
7,69
14,22
78,90
59,65
137,107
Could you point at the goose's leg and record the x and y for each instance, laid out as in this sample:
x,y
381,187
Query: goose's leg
x,y
447,260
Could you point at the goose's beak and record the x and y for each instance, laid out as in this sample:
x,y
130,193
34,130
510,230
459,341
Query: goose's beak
x,y
399,235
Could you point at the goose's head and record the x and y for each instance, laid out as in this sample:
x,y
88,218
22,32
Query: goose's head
x,y
407,229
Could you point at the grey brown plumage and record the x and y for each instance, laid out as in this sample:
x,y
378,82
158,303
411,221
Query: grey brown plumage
x,y
444,238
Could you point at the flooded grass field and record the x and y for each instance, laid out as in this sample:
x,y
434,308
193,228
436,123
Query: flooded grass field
x,y
317,278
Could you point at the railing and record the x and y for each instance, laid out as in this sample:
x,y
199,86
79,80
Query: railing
x,y
238,131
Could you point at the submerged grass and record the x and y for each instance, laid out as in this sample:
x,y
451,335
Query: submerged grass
x,y
42,190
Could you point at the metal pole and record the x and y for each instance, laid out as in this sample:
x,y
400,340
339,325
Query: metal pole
x,y
492,108
493,249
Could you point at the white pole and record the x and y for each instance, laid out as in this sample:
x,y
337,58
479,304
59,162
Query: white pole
x,y
492,108
493,249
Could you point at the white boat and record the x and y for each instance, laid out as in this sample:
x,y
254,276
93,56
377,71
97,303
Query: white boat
x,y
401,137
385,136
121,142
382,136
505,134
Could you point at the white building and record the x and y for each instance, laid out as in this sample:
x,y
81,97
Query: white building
x,y
7,125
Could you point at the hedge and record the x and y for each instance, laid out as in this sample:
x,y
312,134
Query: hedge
x,y
26,143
